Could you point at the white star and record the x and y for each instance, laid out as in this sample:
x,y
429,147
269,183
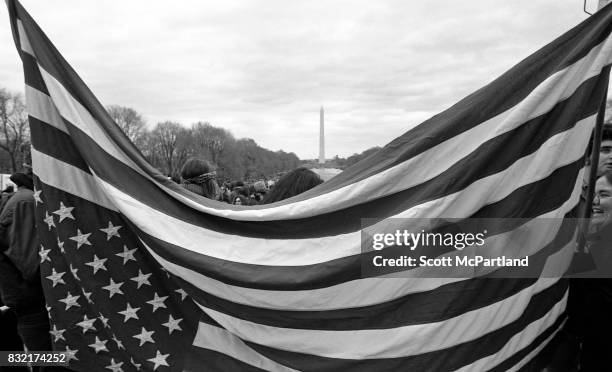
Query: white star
x,y
173,324
97,264
159,360
135,364
141,278
74,272
56,277
87,324
87,295
37,198
57,333
44,254
71,354
118,342
99,345
115,367
111,231
104,320
113,288
80,238
145,336
127,255
60,244
64,212
130,312
70,301
157,302
49,220
182,292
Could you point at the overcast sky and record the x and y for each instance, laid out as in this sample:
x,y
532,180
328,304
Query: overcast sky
x,y
263,68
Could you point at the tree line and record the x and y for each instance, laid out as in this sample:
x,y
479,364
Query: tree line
x,y
166,145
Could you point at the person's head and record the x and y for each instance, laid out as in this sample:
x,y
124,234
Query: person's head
x,y
195,167
200,172
9,189
605,151
602,202
238,200
22,180
291,184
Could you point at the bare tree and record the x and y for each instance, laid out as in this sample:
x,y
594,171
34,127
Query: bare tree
x,y
212,139
170,144
130,121
14,129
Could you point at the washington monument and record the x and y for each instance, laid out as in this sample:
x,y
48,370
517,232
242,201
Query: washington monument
x,y
321,137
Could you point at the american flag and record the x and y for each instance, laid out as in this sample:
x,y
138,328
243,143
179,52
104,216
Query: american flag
x,y
140,274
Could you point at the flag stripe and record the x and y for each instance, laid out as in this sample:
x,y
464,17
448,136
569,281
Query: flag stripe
x,y
415,308
41,107
32,74
218,339
386,343
56,144
299,277
281,253
71,179
543,309
527,354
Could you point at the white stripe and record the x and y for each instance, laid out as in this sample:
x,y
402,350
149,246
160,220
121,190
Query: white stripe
x,y
537,350
72,110
412,172
23,39
68,178
559,150
385,343
220,340
356,293
520,340
42,108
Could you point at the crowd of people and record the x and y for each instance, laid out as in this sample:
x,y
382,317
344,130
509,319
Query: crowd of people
x,y
24,318
198,176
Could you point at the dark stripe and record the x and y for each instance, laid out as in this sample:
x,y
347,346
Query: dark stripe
x,y
498,96
305,277
199,359
441,360
32,75
437,305
55,143
516,358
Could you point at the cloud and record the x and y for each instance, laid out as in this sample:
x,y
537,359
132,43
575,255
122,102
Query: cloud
x,y
262,68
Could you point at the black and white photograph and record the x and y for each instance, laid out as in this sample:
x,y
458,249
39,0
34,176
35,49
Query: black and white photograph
x,y
248,185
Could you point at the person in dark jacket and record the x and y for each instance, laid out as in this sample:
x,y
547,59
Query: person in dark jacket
x,y
6,195
20,283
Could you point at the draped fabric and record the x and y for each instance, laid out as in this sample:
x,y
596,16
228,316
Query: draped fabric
x,y
142,274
